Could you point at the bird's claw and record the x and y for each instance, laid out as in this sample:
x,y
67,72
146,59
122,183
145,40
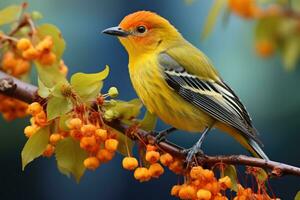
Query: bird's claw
x,y
160,136
191,152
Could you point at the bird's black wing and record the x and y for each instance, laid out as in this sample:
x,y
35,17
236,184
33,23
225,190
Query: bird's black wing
x,y
214,97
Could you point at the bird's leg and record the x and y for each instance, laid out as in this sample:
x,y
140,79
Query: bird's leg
x,y
197,147
161,135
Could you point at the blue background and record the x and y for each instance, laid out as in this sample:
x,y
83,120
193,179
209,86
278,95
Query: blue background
x,y
270,94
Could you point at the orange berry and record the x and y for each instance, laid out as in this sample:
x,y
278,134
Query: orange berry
x,y
111,145
203,194
156,170
130,163
215,187
91,163
54,138
102,133
76,134
63,68
142,174
265,48
89,143
30,130
47,58
104,155
24,44
151,148
244,8
225,182
41,118
21,68
166,159
187,192
175,190
45,45
74,123
34,108
152,156
196,172
208,174
49,150
9,61
31,54
88,129
176,167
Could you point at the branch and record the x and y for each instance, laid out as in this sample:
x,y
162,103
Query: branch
x,y
15,88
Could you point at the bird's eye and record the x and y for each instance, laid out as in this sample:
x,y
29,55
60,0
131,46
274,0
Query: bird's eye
x,y
141,29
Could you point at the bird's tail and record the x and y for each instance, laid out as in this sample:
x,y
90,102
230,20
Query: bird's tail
x,y
256,149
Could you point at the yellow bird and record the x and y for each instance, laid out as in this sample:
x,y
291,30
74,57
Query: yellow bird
x,y
178,83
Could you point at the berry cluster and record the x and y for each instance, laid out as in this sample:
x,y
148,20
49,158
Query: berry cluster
x,y
243,8
12,108
100,143
202,184
14,64
42,52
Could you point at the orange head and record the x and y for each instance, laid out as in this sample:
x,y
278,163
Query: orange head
x,y
143,32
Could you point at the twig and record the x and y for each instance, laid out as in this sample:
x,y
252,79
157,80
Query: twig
x,y
28,93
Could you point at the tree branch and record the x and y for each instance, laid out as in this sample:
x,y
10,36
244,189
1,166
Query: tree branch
x,y
15,88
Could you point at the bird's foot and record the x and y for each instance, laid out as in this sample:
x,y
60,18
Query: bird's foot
x,y
160,136
191,153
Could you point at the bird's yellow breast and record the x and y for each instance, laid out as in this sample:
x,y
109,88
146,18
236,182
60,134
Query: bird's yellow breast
x,y
160,99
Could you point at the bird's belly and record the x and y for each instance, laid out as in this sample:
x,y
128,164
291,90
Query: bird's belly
x,y
171,108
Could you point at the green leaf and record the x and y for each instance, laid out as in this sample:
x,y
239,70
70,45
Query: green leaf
x,y
297,197
49,75
10,14
63,122
70,158
59,43
125,144
212,17
262,175
59,88
126,110
149,121
295,4
88,86
291,52
43,91
35,146
230,171
57,106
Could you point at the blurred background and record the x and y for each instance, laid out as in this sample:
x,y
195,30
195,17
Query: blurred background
x,y
270,93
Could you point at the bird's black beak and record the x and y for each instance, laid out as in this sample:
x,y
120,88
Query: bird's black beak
x,y
116,31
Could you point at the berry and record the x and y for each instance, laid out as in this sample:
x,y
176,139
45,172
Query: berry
x,y
113,92
75,123
225,182
29,131
166,159
54,138
24,44
142,174
104,155
49,151
34,108
204,194
89,143
91,163
152,156
47,58
88,129
175,190
156,170
31,54
111,145
129,163
187,192
265,48
102,134
196,172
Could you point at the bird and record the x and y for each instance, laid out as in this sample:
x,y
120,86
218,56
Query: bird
x,y
179,84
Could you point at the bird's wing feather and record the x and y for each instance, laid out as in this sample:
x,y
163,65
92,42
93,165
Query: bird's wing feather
x,y
212,96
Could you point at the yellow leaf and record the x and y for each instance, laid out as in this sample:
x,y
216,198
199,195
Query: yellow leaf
x,y
10,14
149,121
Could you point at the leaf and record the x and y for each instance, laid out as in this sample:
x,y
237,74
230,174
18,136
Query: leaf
x,y
291,52
63,122
230,171
126,110
125,144
149,121
59,43
212,17
297,197
43,91
49,75
266,27
70,158
295,5
10,14
261,175
58,106
35,146
88,86
59,88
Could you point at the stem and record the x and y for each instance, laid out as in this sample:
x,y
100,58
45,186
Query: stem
x,y
20,90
